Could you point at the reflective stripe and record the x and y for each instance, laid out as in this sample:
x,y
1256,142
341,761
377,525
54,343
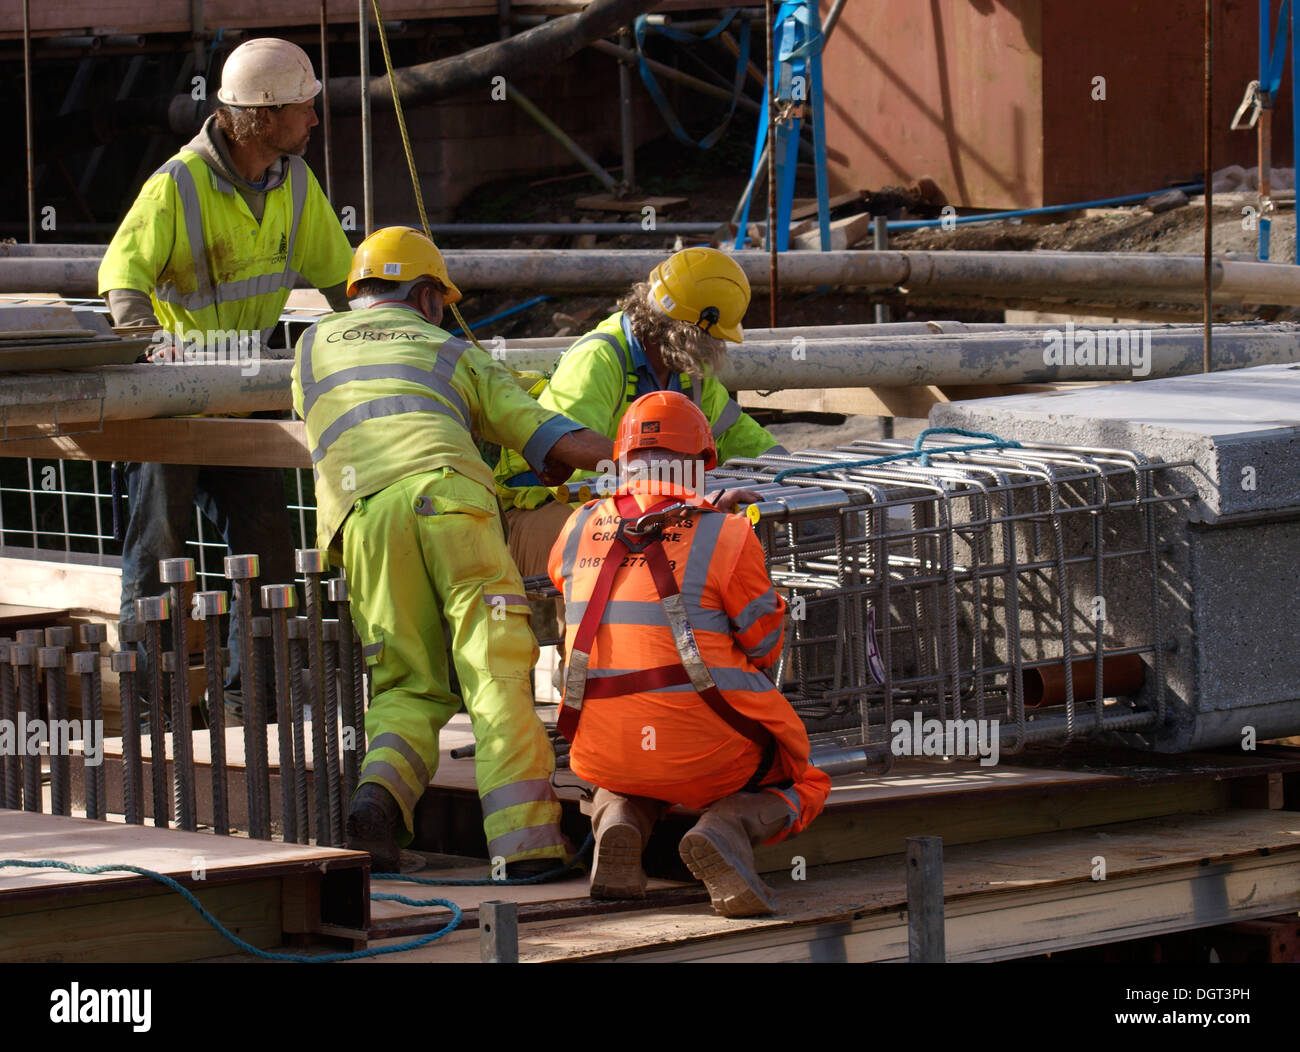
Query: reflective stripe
x,y
449,352
298,176
385,371
230,291
376,407
613,341
404,749
371,649
189,195
509,598
624,364
726,678
650,612
756,609
528,839
707,530
571,548
528,791
729,415
391,779
697,392
304,357
741,679
205,294
764,645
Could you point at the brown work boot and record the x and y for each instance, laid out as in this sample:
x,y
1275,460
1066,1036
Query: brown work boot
x,y
374,820
719,850
622,826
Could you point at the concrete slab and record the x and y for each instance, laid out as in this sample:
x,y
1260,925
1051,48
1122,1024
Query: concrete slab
x,y
1241,428
1229,580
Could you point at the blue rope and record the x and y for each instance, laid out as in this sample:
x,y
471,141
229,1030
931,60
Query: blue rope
x,y
326,958
916,452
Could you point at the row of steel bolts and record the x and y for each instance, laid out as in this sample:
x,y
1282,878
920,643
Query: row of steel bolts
x,y
317,662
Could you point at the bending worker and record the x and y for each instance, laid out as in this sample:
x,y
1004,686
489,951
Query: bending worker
x,y
672,623
667,335
210,250
391,402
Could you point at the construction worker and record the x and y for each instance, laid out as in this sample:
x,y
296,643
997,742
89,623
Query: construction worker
x,y
392,403
669,334
209,251
672,623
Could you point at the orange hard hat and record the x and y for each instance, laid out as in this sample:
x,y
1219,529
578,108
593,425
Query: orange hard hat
x,y
666,420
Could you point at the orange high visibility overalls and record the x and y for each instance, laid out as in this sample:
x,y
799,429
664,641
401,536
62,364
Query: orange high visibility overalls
x,y
668,636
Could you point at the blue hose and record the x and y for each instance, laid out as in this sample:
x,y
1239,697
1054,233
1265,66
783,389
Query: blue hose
x,y
503,314
993,217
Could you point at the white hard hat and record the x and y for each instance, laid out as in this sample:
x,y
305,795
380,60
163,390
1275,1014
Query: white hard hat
x,y
267,72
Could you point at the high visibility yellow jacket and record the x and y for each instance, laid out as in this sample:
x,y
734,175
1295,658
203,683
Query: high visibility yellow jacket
x,y
597,378
386,394
192,244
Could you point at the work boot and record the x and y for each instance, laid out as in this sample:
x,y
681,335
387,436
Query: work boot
x,y
373,823
719,850
622,826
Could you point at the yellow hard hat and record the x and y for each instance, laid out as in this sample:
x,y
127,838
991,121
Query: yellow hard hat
x,y
400,254
705,287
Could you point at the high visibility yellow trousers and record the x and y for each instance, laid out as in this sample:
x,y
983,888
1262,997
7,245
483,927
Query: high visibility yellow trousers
x,y
426,561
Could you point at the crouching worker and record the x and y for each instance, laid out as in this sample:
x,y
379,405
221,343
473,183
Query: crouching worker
x,y
390,401
672,620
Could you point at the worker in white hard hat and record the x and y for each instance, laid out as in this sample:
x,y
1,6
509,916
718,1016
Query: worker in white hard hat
x,y
206,256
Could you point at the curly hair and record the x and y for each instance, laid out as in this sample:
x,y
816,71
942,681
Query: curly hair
x,y
241,124
683,345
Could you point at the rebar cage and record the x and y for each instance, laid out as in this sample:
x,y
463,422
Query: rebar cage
x,y
953,585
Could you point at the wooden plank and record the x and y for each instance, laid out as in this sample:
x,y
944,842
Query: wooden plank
x,y
182,440
259,890
609,203
913,402
64,585
13,616
842,835
26,835
974,875
154,927
844,233
807,206
571,890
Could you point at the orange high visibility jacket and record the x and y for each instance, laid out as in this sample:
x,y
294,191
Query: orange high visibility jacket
x,y
666,742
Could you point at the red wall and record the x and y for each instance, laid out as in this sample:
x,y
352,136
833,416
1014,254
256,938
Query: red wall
x,y
993,98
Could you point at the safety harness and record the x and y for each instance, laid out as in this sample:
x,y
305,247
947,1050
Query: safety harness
x,y
642,534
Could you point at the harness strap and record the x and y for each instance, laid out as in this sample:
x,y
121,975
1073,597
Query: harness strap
x,y
692,668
